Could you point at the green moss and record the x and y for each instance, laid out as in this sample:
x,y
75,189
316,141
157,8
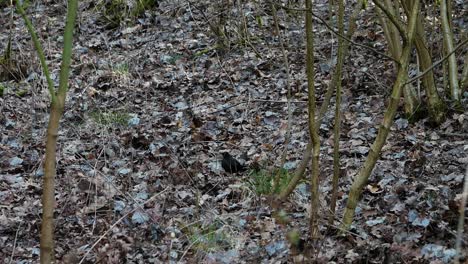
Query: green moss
x,y
262,181
110,118
121,69
114,12
202,52
294,237
142,6
22,92
210,238
437,112
419,113
2,89
259,21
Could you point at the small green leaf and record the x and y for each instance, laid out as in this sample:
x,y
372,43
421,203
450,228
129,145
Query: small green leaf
x,y
259,21
364,4
2,90
22,93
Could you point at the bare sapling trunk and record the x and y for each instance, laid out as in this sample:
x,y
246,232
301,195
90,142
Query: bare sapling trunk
x,y
313,128
448,43
392,36
374,152
47,254
461,220
464,78
336,129
435,104
288,84
299,172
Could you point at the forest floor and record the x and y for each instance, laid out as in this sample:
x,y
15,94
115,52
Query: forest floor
x,y
153,104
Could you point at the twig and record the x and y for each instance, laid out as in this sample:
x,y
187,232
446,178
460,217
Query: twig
x,y
193,243
278,101
399,26
438,62
338,34
14,244
461,219
455,134
226,108
253,100
117,222
288,85
207,20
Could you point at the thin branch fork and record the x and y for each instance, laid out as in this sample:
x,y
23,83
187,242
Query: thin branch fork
x,y
400,27
321,20
437,62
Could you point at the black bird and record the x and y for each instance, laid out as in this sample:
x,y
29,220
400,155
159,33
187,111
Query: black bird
x,y
230,164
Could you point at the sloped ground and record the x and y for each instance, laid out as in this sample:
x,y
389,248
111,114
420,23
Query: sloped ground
x,y
151,106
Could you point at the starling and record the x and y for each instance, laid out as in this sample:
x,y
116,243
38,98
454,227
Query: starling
x,y
230,164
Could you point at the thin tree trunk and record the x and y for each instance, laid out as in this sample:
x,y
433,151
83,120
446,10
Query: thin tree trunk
x,y
461,220
299,172
47,254
313,129
374,152
394,44
336,130
48,188
288,85
464,78
452,61
435,104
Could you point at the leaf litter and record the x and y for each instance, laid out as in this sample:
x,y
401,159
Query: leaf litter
x,y
168,105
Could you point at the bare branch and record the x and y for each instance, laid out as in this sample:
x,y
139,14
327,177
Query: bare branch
x,y
437,62
321,20
400,27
